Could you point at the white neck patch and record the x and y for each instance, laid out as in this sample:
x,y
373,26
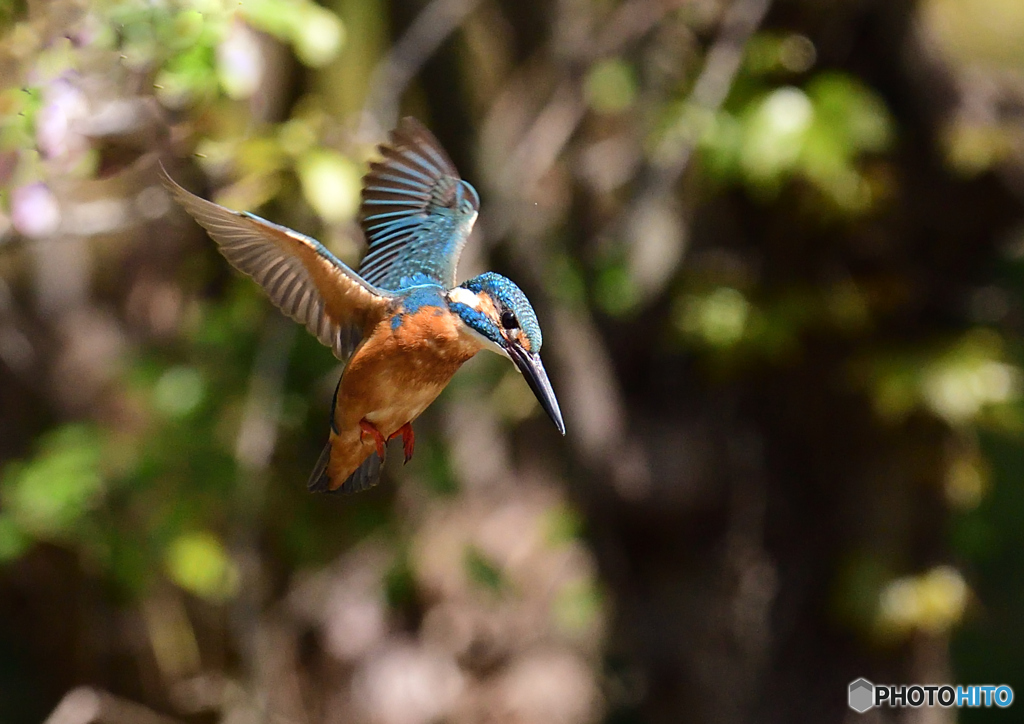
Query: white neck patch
x,y
473,300
461,295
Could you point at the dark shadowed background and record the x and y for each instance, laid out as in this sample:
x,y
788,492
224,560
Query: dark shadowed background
x,y
777,251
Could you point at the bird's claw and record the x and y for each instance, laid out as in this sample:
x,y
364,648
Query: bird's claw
x,y
368,428
408,440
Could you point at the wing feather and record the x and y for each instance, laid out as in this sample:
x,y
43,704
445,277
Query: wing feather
x,y
301,277
416,211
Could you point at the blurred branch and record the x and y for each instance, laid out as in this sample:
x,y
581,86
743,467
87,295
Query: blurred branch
x,y
642,226
16,350
391,77
721,65
602,434
545,139
630,21
547,136
85,705
594,399
555,124
257,434
257,438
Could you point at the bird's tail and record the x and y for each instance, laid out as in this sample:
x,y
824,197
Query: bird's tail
x,y
319,481
365,476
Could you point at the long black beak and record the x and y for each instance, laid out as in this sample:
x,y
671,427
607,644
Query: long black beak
x,y
530,365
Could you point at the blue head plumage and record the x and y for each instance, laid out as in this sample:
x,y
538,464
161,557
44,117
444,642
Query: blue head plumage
x,y
513,314
495,308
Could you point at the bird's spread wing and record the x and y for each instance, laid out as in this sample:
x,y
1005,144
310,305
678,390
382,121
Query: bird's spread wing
x,y
416,211
300,276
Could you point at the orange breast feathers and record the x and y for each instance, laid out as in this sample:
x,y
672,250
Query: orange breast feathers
x,y
403,366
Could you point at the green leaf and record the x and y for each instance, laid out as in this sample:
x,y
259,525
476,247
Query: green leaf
x,y
179,391
198,563
49,494
481,571
774,134
610,86
330,183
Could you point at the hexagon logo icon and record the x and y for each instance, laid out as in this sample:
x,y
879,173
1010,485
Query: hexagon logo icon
x,y
862,695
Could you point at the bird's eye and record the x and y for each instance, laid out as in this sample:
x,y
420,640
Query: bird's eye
x,y
509,321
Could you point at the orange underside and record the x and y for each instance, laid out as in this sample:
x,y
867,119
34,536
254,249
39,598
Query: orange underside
x,y
392,379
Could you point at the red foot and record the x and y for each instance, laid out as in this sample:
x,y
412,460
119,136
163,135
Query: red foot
x,y
408,439
368,428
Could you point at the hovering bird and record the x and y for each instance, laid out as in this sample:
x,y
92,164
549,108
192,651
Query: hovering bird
x,y
400,323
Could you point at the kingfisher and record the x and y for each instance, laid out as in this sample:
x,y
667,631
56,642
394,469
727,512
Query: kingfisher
x,y
400,324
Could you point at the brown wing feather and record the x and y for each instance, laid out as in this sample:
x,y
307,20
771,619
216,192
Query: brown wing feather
x,y
300,276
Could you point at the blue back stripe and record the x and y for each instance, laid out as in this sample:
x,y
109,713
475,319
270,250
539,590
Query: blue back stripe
x,y
435,156
427,181
396,224
380,239
389,214
381,245
424,163
386,202
419,193
412,183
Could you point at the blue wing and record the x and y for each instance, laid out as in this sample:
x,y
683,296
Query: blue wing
x,y
416,212
300,276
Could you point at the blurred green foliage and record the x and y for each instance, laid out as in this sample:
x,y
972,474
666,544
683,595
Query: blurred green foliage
x,y
819,133
51,496
141,494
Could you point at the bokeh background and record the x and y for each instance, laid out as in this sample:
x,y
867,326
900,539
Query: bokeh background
x,y
777,249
